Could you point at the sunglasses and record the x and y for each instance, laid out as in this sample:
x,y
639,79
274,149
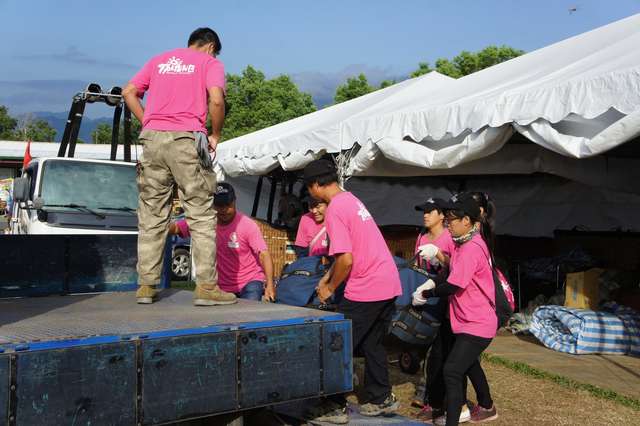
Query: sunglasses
x,y
454,215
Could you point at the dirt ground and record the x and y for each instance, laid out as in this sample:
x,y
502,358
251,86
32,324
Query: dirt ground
x,y
523,400
520,400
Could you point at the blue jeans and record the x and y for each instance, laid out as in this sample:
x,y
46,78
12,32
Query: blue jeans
x,y
252,291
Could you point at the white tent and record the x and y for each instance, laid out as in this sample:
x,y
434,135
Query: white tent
x,y
577,98
565,110
292,144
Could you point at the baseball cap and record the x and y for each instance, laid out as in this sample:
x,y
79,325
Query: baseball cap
x,y
463,203
430,205
224,194
319,168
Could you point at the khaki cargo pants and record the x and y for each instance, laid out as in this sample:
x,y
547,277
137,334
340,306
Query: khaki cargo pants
x,y
170,157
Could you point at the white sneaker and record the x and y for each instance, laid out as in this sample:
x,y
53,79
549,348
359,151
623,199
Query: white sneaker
x,y
465,416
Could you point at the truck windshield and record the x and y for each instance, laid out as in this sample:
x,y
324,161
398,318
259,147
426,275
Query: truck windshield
x,y
91,185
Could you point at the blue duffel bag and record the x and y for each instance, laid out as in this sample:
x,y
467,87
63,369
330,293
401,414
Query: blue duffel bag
x,y
415,325
298,282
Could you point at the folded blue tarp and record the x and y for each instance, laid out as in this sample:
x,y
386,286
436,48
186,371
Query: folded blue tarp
x,y
580,331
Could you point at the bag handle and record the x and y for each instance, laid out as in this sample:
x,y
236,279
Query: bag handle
x,y
493,274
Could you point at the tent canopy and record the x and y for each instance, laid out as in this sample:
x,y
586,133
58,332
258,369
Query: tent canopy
x,y
294,143
577,98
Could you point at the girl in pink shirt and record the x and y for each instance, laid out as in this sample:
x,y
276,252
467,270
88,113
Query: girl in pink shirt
x,y
312,238
436,234
474,323
433,248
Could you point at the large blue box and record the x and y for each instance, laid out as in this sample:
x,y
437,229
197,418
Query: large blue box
x,y
101,359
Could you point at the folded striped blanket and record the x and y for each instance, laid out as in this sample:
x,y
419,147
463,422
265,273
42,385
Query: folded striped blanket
x,y
580,331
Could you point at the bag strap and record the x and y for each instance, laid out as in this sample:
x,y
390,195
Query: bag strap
x,y
492,304
320,233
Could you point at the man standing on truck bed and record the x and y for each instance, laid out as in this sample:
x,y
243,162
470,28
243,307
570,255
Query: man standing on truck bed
x,y
181,84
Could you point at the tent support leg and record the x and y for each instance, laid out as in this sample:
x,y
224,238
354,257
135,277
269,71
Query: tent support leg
x,y
256,198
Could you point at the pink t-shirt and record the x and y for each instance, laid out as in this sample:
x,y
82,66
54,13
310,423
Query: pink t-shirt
x,y
308,229
238,247
469,307
374,275
177,82
444,242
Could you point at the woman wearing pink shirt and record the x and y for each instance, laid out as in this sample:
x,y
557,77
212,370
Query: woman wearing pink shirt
x,y
312,238
434,248
474,323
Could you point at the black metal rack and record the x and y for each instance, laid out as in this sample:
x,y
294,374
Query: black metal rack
x,y
93,94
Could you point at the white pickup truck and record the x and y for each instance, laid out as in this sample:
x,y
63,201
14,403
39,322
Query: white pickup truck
x,y
75,196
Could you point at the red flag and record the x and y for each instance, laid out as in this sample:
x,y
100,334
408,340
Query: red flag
x,y
27,155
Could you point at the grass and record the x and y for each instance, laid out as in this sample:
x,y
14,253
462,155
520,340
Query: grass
x,y
563,381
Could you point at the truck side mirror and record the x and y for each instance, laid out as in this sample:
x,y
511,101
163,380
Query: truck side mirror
x,y
21,189
38,203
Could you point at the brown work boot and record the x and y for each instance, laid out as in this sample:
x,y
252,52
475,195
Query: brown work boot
x,y
209,295
146,294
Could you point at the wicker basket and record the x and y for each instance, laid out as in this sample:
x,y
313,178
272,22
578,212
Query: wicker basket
x,y
400,239
280,245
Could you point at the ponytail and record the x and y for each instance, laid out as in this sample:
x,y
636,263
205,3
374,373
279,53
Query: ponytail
x,y
487,220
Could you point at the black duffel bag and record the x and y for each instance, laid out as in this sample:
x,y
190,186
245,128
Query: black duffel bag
x,y
417,325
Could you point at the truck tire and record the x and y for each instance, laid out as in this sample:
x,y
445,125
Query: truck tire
x,y
410,362
181,264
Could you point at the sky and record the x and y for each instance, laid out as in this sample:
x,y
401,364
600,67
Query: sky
x,y
52,49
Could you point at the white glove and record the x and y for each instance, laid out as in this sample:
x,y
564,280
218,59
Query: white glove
x,y
428,251
418,300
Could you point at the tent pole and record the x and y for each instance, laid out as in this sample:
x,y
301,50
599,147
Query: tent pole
x,y
256,197
272,197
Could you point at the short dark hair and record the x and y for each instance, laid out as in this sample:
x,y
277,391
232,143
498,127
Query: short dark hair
x,y
205,35
322,180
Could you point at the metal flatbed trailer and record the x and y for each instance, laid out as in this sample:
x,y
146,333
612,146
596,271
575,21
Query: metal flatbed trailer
x,y
101,359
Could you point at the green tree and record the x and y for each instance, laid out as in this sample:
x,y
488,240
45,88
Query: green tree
x,y
353,88
31,128
423,68
102,133
469,62
446,67
387,83
254,102
7,124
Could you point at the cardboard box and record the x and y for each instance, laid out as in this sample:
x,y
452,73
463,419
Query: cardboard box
x,y
583,289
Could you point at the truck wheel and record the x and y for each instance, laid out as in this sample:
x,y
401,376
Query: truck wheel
x,y
181,264
409,362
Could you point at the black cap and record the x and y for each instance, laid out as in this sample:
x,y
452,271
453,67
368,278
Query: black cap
x,y
319,168
224,194
430,205
465,204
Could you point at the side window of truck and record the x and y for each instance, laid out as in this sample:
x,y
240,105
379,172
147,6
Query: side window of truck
x,y
31,173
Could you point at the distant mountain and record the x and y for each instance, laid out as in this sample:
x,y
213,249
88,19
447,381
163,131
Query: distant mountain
x,y
58,121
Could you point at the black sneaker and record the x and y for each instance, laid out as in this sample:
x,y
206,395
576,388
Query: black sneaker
x,y
388,406
328,412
